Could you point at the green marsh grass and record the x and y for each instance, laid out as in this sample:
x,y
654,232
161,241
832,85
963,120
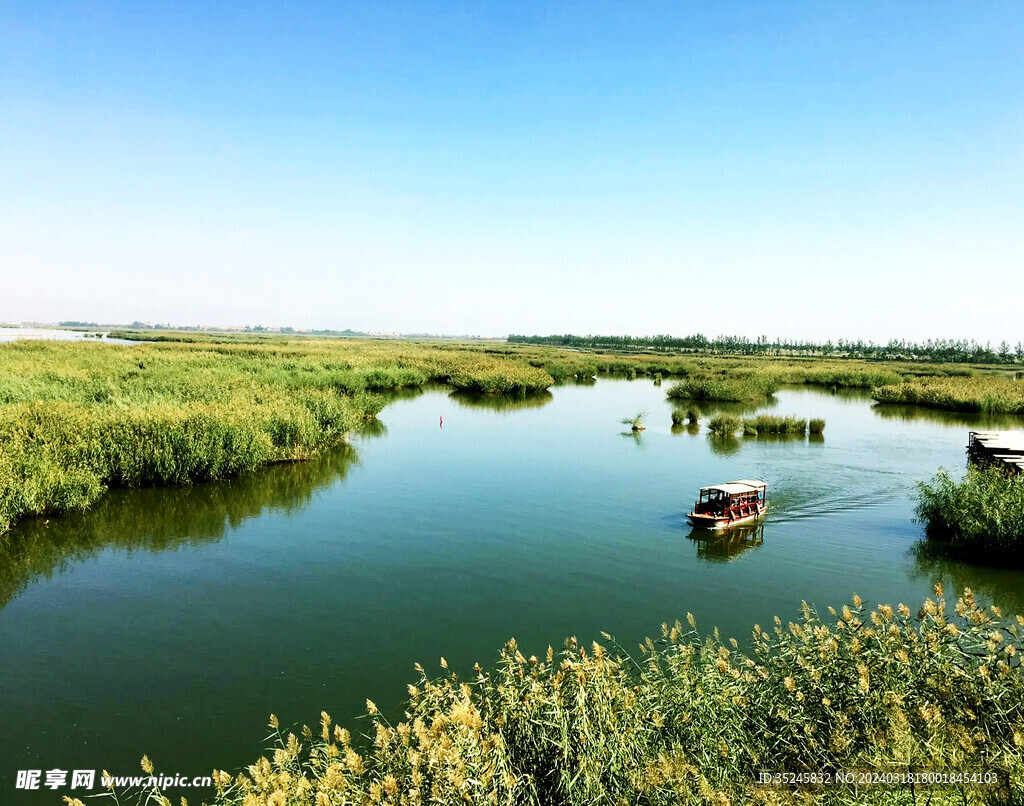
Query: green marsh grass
x,y
816,426
158,520
690,416
981,516
78,418
737,389
770,424
827,372
689,719
724,425
986,394
971,420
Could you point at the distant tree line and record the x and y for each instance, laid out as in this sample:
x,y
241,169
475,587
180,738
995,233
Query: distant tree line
x,y
945,350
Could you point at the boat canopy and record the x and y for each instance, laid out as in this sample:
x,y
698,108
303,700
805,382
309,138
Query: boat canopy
x,y
736,487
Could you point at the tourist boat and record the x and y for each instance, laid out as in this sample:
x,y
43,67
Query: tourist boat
x,y
723,505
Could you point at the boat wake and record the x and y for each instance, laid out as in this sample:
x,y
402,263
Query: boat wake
x,y
794,500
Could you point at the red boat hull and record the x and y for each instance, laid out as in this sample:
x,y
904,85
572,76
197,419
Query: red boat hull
x,y
724,521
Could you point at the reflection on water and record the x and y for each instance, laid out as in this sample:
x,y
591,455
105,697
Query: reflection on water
x,y
940,562
636,436
722,546
502,403
162,518
709,408
798,437
51,334
894,411
407,392
373,428
724,446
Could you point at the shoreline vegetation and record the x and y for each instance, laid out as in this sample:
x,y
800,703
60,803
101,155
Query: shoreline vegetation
x,y
980,517
77,418
691,719
985,395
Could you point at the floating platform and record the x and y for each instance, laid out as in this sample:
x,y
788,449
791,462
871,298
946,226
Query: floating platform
x,y
1000,448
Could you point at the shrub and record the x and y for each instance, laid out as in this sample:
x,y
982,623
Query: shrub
x,y
770,424
723,389
724,425
817,426
983,514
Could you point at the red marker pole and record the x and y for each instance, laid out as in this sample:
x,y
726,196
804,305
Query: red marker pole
x,y
442,421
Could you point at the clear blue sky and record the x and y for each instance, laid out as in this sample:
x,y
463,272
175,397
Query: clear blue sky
x,y
799,169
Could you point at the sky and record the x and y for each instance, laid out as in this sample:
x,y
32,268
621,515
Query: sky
x,y
805,170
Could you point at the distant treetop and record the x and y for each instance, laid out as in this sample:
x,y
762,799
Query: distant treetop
x,y
945,350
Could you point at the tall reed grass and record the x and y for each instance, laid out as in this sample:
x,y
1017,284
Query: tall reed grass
x,y
770,424
689,416
78,418
690,720
723,388
987,394
724,425
982,515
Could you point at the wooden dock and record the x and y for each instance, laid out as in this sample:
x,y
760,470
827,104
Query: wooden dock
x,y
1001,448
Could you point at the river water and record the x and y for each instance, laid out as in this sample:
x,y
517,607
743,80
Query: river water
x,y
172,622
56,334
